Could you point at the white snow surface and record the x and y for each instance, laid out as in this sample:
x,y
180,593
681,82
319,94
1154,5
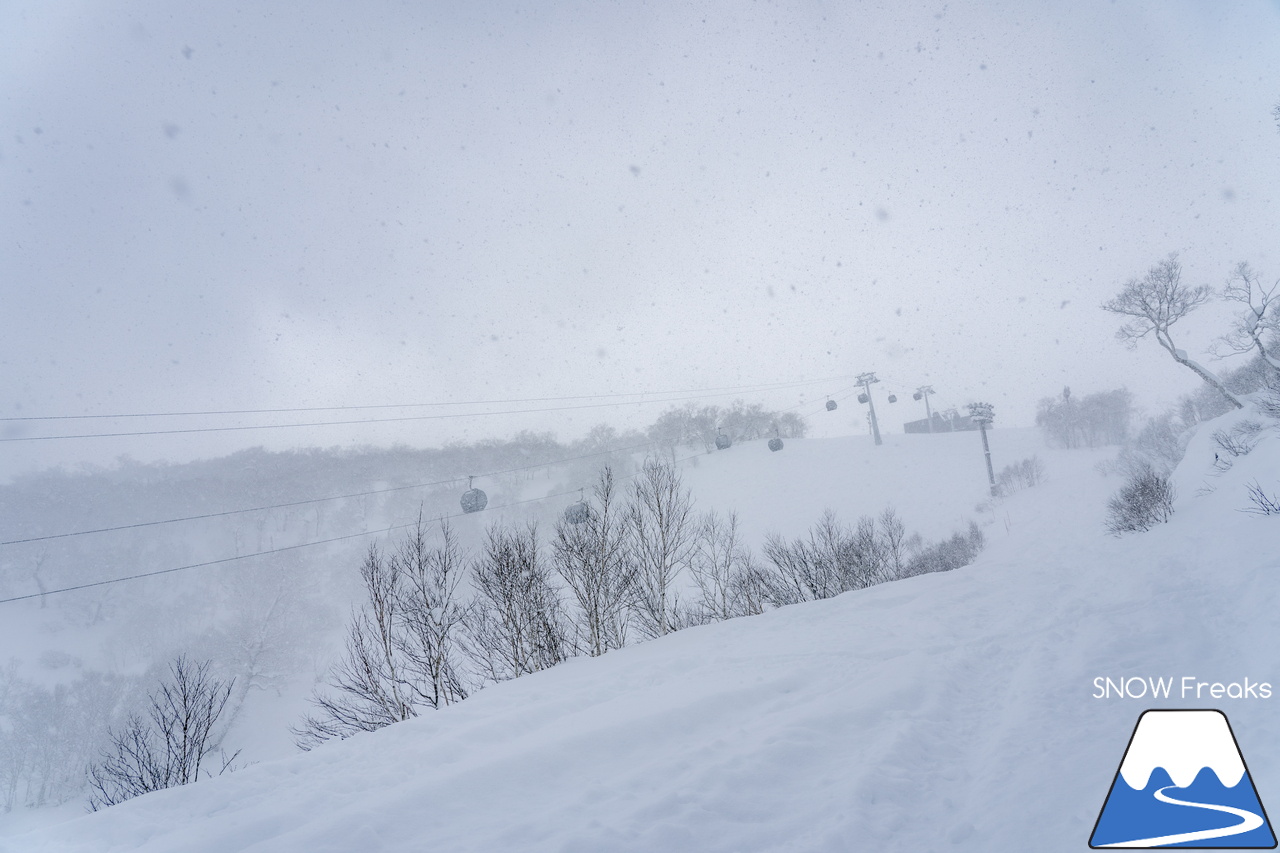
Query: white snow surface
x,y
1183,743
947,712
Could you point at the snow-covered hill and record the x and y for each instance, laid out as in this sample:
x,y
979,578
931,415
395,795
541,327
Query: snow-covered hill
x,y
946,712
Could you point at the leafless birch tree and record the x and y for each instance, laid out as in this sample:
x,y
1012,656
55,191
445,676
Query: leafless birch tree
x,y
725,571
662,527
432,616
369,686
595,562
1257,326
517,623
169,745
1153,304
402,653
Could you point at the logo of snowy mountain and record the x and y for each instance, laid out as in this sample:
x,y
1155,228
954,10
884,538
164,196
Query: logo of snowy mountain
x,y
1183,783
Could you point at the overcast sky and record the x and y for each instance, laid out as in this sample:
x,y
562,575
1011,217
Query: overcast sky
x,y
335,204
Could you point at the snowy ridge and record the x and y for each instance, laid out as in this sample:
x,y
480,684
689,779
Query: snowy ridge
x,y
944,712
1183,743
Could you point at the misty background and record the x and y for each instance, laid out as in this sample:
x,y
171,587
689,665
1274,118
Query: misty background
x,y
277,282
226,208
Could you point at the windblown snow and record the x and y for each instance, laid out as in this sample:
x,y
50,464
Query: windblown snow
x,y
945,712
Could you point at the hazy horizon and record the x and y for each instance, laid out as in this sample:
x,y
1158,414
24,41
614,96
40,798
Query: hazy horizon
x,y
217,209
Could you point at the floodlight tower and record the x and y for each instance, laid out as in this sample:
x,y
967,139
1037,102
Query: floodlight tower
x,y
983,414
922,393
865,380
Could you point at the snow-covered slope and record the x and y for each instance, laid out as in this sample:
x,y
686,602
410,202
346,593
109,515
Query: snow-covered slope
x,y
945,712
276,622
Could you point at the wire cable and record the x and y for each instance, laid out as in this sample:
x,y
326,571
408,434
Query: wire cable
x,y
296,547
280,550
304,502
726,388
847,391
314,500
229,512
191,430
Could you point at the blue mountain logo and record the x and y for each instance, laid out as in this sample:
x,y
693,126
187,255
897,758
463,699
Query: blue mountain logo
x,y
1183,783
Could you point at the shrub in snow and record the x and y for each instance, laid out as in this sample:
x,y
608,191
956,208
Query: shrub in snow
x,y
959,550
1263,503
836,558
1020,475
1239,440
1145,501
1269,404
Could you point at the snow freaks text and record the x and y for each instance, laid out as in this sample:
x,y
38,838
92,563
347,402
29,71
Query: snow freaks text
x,y
1186,687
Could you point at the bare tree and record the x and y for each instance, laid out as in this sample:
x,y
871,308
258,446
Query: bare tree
x,y
401,656
516,624
432,616
832,560
168,746
1059,418
50,734
835,558
806,570
693,425
751,588
371,681
662,527
1091,421
863,559
724,570
1153,305
893,537
1258,325
595,562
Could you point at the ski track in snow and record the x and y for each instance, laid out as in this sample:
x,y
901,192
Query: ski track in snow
x,y
946,712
